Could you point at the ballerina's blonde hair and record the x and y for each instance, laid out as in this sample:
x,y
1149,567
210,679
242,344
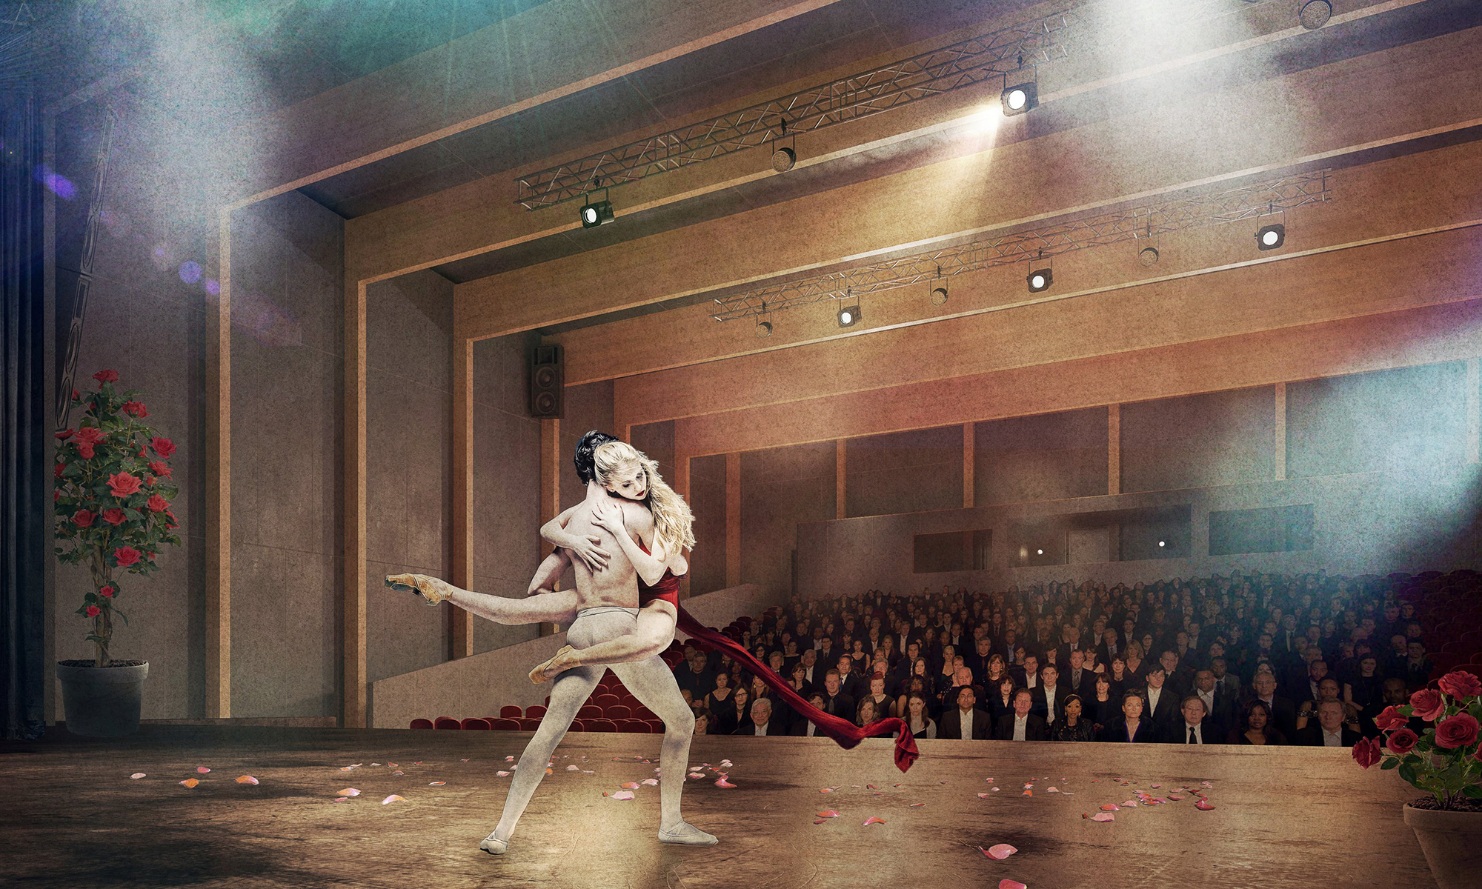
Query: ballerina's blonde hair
x,y
673,521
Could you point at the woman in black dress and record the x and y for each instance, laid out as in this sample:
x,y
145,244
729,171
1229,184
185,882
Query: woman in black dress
x,y
1072,724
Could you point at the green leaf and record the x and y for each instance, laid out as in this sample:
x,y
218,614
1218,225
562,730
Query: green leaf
x,y
1407,772
1389,764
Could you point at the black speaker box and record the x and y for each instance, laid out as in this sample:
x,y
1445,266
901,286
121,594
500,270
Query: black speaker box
x,y
547,379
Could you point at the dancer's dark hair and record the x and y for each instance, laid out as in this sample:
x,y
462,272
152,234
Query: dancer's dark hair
x,y
586,469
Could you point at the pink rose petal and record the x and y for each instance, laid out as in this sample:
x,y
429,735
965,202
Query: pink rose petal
x,y
724,783
820,820
623,794
573,768
189,782
629,785
1204,805
1110,807
651,782
247,779
393,798
825,790
985,795
202,770
1129,804
137,775
502,774
1000,851
873,820
1103,816
437,784
348,791
916,805
1053,790
829,813
1011,884
1174,798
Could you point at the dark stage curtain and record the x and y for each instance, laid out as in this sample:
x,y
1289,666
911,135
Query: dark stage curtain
x,y
23,432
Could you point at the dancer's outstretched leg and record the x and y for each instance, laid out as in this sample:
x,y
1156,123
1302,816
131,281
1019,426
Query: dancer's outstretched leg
x,y
653,633
551,607
654,686
570,691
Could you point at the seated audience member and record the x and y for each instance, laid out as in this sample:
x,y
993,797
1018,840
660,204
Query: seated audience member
x,y
1133,662
866,713
878,695
802,728
702,722
1330,729
1026,675
1105,704
1001,700
1179,679
1072,724
853,684
1219,705
1048,696
1255,725
735,715
1418,666
1195,727
1162,703
695,676
761,720
1021,724
1363,692
1282,712
965,721
835,701
720,695
916,718
1077,678
1224,679
1131,726
1396,694
916,686
1327,690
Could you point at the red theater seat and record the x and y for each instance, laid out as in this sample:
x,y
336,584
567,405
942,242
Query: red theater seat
x,y
510,711
535,711
601,725
421,723
445,722
504,724
475,723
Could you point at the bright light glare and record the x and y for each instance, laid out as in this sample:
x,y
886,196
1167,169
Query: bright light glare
x,y
985,120
1017,98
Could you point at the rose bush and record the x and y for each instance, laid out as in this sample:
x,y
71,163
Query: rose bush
x,y
1445,760
112,498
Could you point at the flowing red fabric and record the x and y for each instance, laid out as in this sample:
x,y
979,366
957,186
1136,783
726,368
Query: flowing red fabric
x,y
845,733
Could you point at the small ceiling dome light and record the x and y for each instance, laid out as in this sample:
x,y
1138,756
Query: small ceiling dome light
x,y
1315,13
763,329
1039,280
1020,98
1269,237
1039,552
593,215
939,296
1162,543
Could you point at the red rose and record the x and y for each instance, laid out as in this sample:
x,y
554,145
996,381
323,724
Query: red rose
x,y
126,556
106,376
114,516
64,435
1456,731
1460,684
160,468
1401,741
122,484
107,591
76,396
135,409
83,518
85,450
163,446
1389,720
93,611
58,470
158,503
1427,704
1366,752
171,524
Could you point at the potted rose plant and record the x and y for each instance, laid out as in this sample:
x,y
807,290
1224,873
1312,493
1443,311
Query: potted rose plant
x,y
112,498
1444,760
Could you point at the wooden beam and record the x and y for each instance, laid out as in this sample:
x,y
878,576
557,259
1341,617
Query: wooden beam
x,y
1451,332
352,579
218,469
462,521
1373,279
1263,127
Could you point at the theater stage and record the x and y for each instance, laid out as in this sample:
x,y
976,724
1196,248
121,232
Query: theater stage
x,y
1284,817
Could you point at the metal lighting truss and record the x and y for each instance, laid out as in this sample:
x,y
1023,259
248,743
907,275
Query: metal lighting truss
x,y
1191,211
972,61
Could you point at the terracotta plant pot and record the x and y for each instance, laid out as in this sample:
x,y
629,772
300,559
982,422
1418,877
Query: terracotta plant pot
x,y
102,702
1452,842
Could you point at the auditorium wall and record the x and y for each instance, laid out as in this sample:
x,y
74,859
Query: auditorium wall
x,y
782,488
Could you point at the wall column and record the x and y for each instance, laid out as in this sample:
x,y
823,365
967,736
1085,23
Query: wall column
x,y
352,580
733,519
841,474
461,630
1474,410
969,485
1279,449
218,447
1114,449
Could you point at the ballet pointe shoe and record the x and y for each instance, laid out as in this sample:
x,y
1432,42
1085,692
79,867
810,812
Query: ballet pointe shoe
x,y
686,834
429,588
494,845
558,663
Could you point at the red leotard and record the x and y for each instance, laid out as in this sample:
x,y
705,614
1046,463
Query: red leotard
x,y
667,588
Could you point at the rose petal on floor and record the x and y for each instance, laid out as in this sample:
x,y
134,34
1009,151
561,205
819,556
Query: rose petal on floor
x,y
437,784
985,795
1103,816
573,768
1129,804
651,782
189,782
247,779
348,791
1053,790
873,820
1027,793
502,774
829,813
1011,884
202,770
393,798
916,805
137,775
820,820
342,799
826,790
1174,798
629,785
623,794
999,852
1110,807
724,783
1204,805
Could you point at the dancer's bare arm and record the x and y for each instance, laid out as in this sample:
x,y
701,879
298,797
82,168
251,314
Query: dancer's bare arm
x,y
650,565
583,547
550,572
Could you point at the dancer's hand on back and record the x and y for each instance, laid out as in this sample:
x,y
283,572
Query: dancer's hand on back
x,y
591,555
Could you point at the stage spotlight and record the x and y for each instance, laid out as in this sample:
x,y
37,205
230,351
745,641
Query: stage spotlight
x,y
1148,256
1315,13
1039,280
763,329
849,315
783,159
1019,98
593,215
1269,237
939,296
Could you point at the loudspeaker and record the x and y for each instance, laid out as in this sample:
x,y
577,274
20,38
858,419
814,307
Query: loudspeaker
x,y
547,379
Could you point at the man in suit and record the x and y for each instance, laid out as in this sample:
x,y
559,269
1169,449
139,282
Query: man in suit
x,y
977,660
835,701
1283,711
812,676
1048,695
1178,678
1195,726
1329,730
1077,680
761,720
1020,725
1110,647
966,721
803,728
1219,705
854,685
1162,709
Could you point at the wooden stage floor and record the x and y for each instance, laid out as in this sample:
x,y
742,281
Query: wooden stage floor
x,y
1286,817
